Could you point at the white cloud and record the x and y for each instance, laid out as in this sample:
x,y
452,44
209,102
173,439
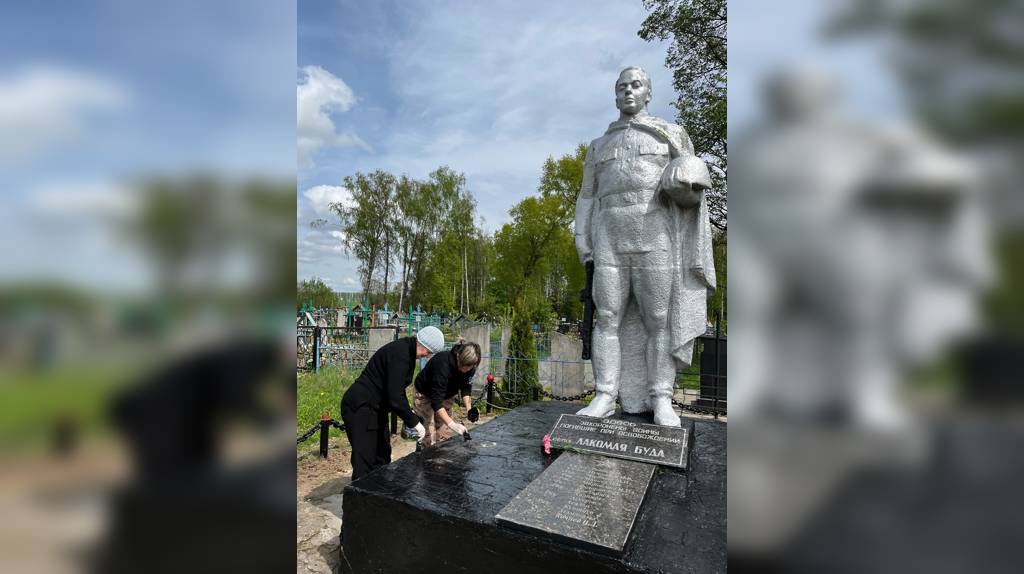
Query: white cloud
x,y
318,94
95,200
322,196
488,89
43,107
493,91
67,230
321,242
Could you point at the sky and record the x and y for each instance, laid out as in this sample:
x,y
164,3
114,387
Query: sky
x,y
95,95
489,89
493,89
769,36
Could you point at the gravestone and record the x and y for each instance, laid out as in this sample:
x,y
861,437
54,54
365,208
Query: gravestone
x,y
481,335
498,365
587,500
380,336
713,372
568,368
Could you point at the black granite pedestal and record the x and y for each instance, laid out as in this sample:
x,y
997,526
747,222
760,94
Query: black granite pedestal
x,y
435,511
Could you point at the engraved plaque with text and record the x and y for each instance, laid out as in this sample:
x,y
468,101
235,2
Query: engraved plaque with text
x,y
591,501
626,439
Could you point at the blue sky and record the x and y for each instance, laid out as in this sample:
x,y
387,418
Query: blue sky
x,y
489,89
492,89
96,94
767,36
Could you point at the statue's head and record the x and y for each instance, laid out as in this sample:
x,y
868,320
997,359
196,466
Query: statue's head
x,y
800,93
632,90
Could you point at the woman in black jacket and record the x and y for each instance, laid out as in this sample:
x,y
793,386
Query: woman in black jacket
x,y
448,374
379,390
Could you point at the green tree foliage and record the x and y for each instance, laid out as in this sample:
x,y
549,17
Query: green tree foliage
x,y
521,366
191,226
960,70
316,293
537,273
178,225
717,303
563,179
949,53
423,231
368,224
697,58
524,249
524,253
269,229
442,273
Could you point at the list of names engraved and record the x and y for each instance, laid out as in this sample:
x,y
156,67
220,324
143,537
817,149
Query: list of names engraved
x,y
590,499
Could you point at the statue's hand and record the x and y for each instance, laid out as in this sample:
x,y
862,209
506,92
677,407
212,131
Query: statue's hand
x,y
684,180
586,253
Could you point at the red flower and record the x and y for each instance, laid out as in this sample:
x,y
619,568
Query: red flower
x,y
547,444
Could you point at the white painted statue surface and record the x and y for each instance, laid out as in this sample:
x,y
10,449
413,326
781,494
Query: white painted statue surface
x,y
642,218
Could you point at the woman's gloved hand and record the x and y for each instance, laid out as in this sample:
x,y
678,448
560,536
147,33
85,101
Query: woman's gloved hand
x,y
421,430
456,428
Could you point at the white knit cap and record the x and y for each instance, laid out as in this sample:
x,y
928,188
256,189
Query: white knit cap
x,y
432,338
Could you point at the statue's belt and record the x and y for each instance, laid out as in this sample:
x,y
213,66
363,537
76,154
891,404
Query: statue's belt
x,y
628,199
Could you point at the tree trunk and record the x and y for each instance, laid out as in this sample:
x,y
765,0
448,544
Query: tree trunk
x,y
371,265
405,274
465,278
387,264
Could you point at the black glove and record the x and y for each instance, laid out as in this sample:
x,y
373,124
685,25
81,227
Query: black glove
x,y
474,414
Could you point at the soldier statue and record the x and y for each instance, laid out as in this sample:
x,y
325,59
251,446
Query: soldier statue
x,y
642,219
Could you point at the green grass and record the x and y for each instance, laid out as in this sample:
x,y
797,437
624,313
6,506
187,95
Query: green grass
x,y
32,401
319,392
690,378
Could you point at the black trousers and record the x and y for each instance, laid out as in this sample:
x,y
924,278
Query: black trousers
x,y
369,436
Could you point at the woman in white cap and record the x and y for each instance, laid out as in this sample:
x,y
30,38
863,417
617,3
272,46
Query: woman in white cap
x,y
379,390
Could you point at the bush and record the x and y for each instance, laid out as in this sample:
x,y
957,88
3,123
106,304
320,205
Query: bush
x,y
521,366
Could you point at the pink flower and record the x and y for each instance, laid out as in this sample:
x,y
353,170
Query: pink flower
x,y
547,444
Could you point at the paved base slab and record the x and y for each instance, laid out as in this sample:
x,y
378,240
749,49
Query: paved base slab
x,y
434,511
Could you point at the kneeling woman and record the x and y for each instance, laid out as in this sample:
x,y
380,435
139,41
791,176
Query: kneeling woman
x,y
447,374
380,389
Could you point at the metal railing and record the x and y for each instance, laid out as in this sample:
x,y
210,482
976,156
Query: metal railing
x,y
701,388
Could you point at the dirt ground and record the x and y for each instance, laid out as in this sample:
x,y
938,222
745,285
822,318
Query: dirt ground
x,y
319,485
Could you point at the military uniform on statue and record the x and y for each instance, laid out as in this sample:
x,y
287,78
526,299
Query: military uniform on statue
x,y
642,218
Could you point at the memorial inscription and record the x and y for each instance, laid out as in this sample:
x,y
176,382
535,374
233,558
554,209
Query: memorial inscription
x,y
586,500
630,440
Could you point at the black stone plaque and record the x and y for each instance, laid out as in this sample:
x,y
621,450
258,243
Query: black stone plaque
x,y
626,439
587,500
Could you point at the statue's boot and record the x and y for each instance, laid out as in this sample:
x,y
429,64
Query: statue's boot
x,y
602,406
664,414
606,357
